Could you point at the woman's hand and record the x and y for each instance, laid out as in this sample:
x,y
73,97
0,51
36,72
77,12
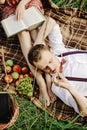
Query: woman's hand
x,y
2,2
61,81
20,11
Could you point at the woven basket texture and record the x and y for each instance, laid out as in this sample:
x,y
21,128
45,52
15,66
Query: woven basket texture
x,y
14,117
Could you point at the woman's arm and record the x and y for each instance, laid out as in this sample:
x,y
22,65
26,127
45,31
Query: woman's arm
x,y
25,42
80,100
2,2
20,9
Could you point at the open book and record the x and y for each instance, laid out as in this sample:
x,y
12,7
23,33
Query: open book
x,y
32,19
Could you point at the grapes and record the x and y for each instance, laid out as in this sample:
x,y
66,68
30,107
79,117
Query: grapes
x,y
25,86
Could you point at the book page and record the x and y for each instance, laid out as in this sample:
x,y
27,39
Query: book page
x,y
33,18
12,26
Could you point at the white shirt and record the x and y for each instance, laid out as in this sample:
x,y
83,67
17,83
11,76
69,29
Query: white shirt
x,y
75,66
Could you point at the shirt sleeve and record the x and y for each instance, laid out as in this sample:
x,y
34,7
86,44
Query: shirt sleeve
x,y
56,41
65,96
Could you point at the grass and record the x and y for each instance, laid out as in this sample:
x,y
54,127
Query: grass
x,y
32,118
72,3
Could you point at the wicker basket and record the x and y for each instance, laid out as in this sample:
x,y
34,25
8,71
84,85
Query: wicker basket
x,y
14,117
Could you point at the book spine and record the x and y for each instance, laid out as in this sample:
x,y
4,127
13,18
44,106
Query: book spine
x,y
6,31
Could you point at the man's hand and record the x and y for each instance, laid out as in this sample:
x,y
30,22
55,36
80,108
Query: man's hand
x,y
61,81
79,98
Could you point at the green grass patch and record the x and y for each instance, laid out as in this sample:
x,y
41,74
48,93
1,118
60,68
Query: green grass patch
x,y
32,118
71,3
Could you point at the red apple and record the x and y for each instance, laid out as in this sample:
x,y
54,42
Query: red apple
x,y
17,68
31,74
8,78
24,70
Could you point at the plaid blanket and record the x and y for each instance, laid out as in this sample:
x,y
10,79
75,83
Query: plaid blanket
x,y
73,24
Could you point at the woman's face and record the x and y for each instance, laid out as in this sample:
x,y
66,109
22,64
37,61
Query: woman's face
x,y
48,63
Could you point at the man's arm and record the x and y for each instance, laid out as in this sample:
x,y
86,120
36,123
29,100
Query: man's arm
x,y
80,99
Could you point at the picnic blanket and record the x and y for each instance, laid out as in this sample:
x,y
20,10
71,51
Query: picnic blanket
x,y
73,24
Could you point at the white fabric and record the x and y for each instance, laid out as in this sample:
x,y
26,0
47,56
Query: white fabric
x,y
75,66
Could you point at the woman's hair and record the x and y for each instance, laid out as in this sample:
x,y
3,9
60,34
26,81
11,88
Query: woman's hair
x,y
34,54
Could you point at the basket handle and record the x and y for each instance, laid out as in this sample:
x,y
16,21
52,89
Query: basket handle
x,y
3,59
